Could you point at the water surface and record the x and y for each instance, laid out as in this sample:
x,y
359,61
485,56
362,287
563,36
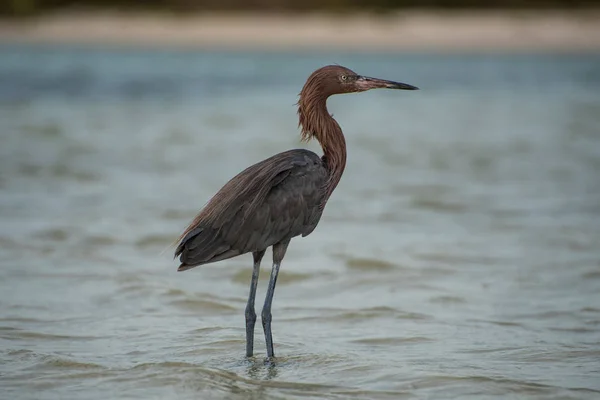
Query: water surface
x,y
458,258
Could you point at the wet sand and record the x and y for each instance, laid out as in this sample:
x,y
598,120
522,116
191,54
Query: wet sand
x,y
424,31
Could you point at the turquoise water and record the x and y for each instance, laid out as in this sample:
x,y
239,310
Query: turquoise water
x,y
458,258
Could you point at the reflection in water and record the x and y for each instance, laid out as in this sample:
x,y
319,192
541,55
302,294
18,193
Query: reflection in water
x,y
265,370
459,255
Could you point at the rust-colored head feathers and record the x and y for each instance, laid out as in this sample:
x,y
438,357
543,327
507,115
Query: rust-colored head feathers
x,y
325,82
321,84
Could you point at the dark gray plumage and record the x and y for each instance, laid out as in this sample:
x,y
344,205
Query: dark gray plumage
x,y
288,208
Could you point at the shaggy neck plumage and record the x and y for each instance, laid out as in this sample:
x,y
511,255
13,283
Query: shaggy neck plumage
x,y
316,122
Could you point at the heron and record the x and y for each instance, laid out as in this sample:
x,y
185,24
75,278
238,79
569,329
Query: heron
x,y
279,198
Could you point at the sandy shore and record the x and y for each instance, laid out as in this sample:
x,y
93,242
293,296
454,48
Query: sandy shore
x,y
422,31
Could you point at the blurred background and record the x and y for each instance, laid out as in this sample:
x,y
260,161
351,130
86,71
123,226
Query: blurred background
x,y
40,6
458,258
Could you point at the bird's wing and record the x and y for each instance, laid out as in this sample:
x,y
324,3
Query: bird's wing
x,y
269,201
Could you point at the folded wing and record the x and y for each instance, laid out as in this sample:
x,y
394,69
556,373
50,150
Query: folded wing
x,y
273,200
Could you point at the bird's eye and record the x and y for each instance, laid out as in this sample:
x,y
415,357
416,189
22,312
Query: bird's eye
x,y
344,77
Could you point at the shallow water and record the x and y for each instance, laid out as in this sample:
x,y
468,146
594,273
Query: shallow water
x,y
458,258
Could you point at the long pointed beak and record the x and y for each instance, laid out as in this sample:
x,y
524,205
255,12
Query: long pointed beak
x,y
366,83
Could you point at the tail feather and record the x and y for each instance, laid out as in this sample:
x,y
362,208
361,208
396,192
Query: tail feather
x,y
202,246
185,267
186,239
217,257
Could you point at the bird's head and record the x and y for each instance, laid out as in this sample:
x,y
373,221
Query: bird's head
x,y
335,79
324,82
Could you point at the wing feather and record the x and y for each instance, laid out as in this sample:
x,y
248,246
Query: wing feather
x,y
257,208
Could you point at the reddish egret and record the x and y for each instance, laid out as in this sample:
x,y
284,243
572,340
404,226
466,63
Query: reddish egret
x,y
279,198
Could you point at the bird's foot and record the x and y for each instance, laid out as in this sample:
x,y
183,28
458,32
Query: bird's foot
x,y
270,360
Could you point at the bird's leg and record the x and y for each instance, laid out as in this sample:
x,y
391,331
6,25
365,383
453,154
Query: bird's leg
x,y
279,250
250,313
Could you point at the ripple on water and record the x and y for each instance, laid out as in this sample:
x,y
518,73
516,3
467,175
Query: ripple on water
x,y
448,300
53,362
591,274
556,355
7,243
575,329
479,385
498,323
53,234
11,333
206,330
545,315
173,292
44,371
99,240
457,259
22,319
590,310
263,383
203,305
338,315
49,129
393,341
369,264
438,205
64,171
60,171
501,350
48,361
30,169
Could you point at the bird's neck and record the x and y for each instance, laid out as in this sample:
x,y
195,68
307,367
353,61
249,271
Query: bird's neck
x,y
316,122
